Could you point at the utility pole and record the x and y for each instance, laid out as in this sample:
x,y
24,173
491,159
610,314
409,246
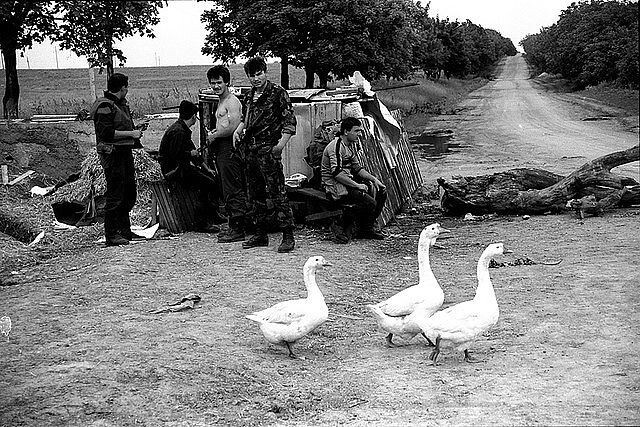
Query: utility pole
x,y
92,84
28,65
56,52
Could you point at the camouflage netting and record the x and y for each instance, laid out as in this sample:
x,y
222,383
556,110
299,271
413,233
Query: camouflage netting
x,y
147,170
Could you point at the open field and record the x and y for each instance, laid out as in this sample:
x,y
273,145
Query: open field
x,y
155,88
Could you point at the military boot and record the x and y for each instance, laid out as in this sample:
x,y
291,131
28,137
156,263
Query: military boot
x,y
258,239
116,240
235,233
288,242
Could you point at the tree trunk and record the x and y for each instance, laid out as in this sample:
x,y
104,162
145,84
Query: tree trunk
x,y
284,71
109,64
309,77
324,79
534,191
12,87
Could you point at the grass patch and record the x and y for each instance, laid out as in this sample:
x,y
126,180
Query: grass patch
x,y
625,99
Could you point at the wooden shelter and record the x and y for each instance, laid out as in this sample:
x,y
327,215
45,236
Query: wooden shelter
x,y
384,148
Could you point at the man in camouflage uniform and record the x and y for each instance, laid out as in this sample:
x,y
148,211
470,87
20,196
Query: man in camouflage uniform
x,y
268,124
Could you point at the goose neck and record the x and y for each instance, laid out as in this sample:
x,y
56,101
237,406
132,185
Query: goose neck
x,y
485,287
313,291
424,266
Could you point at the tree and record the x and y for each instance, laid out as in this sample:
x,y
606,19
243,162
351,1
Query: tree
x,y
21,24
249,28
592,42
429,52
323,37
337,37
91,29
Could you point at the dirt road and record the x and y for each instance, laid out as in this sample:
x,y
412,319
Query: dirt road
x,y
514,122
84,349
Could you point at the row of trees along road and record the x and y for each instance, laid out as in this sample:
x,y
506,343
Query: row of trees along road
x,y
592,42
327,38
333,38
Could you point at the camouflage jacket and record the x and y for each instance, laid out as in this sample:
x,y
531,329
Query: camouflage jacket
x,y
268,117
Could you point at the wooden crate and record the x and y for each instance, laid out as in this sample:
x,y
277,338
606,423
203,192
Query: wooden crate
x,y
175,206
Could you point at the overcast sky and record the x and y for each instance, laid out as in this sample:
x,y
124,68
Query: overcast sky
x,y
180,34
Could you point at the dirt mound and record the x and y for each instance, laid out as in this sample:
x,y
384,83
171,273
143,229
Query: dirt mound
x,y
47,149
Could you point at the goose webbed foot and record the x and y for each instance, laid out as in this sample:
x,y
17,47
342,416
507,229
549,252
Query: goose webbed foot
x,y
469,359
389,342
429,342
435,353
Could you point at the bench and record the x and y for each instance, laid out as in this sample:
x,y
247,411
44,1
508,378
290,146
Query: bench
x,y
174,206
328,208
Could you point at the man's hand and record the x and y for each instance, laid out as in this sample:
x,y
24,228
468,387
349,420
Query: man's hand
x,y
194,153
211,135
363,187
378,184
136,134
237,137
277,151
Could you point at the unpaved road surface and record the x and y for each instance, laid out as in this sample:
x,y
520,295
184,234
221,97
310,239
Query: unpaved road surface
x,y
513,122
84,349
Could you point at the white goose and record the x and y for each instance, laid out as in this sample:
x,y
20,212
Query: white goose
x,y
394,315
288,321
463,323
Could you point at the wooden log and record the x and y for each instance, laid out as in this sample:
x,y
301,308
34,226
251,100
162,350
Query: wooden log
x,y
535,191
21,177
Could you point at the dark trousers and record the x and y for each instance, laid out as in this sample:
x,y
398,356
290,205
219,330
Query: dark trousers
x,y
120,196
232,176
368,207
266,188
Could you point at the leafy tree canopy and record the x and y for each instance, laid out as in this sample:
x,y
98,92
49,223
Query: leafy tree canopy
x,y
91,29
22,23
592,42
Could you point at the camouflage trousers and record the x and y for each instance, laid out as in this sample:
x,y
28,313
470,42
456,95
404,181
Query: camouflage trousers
x,y
266,190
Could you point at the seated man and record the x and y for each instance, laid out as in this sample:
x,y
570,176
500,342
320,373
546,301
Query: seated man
x,y
342,177
181,162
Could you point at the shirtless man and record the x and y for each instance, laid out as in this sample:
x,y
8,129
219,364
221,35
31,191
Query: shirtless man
x,y
228,160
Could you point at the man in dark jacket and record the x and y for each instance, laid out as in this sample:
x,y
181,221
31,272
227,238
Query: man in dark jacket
x,y
115,138
181,162
268,124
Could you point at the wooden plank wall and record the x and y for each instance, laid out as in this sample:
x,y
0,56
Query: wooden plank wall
x,y
177,206
401,181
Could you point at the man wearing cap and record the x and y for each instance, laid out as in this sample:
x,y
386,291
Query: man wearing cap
x,y
179,161
116,136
